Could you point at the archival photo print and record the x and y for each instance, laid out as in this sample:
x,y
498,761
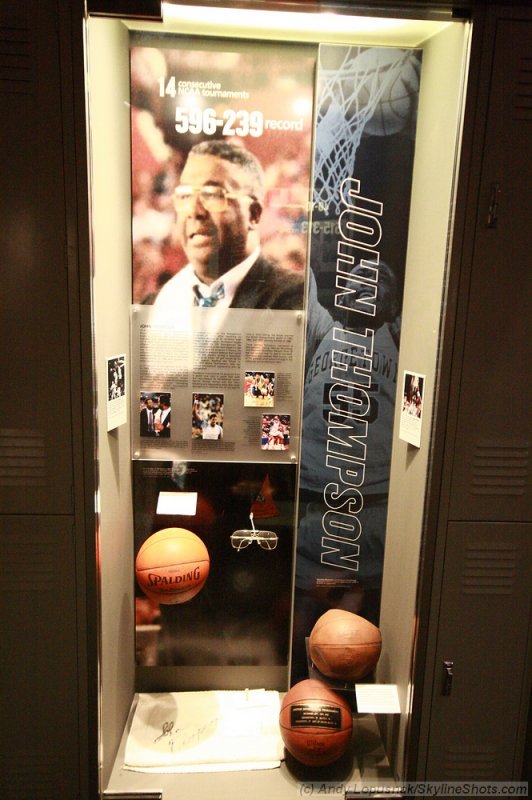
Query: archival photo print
x,y
412,409
155,419
275,432
207,416
116,377
259,389
116,391
221,158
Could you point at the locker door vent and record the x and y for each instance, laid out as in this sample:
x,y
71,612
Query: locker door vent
x,y
500,468
16,58
489,568
469,763
32,775
522,106
28,564
22,457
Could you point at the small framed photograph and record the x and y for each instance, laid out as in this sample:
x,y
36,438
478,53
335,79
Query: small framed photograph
x,y
412,408
259,389
116,391
275,432
208,416
155,414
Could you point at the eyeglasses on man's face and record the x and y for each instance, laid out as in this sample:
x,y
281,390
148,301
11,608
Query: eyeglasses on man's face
x,y
212,198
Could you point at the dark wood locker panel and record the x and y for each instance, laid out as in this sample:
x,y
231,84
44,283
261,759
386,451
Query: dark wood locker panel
x,y
35,413
39,739
480,603
491,471
43,653
476,729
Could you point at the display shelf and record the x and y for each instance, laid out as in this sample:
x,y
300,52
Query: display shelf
x,y
365,762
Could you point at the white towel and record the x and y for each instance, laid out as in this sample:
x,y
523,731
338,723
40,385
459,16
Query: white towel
x,y
205,732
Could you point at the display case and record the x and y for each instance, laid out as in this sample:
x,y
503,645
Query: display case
x,y
301,401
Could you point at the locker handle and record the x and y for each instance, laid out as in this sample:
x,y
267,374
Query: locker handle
x,y
447,678
493,209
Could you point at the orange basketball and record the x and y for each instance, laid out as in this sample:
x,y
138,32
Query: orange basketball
x,y
316,723
344,645
172,566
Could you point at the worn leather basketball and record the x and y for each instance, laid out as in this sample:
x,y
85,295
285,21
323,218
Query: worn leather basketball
x,y
172,565
316,723
344,645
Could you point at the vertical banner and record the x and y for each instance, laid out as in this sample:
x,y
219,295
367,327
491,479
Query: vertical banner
x,y
366,106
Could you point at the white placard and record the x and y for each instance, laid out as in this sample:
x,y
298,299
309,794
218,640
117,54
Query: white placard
x,y
414,387
116,391
377,698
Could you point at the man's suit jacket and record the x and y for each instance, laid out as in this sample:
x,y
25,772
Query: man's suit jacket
x,y
144,423
269,286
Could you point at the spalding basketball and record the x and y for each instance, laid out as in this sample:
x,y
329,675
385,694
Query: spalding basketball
x,y
344,645
316,723
172,565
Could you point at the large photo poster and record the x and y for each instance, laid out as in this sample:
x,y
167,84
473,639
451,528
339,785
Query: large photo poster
x,y
221,157
221,160
366,107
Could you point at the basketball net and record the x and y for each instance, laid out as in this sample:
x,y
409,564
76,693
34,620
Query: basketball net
x,y
348,97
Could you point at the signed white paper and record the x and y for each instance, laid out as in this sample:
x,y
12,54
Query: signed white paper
x,y
205,731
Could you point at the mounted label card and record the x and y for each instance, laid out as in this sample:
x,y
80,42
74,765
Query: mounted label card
x,y
412,408
116,392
